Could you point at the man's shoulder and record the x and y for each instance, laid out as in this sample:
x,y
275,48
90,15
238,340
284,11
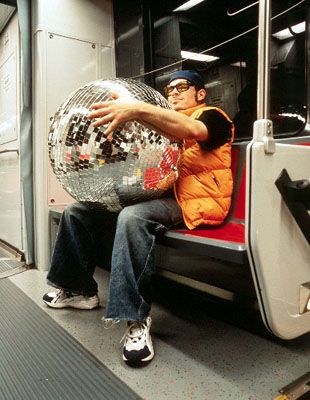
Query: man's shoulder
x,y
214,111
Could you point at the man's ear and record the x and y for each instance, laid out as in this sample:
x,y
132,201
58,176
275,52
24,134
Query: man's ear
x,y
201,94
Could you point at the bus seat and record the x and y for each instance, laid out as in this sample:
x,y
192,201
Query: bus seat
x,y
227,241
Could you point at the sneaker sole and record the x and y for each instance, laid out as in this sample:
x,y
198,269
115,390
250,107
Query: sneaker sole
x,y
141,362
79,307
144,360
138,364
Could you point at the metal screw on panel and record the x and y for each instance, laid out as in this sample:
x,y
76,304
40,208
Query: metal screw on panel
x,y
51,36
93,46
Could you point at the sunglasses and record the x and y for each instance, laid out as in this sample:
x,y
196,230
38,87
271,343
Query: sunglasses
x,y
180,87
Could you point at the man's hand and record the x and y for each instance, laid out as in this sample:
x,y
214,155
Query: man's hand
x,y
115,112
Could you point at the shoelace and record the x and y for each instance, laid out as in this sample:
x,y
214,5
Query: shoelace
x,y
58,293
67,293
136,330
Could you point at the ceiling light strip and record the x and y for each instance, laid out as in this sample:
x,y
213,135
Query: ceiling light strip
x,y
186,6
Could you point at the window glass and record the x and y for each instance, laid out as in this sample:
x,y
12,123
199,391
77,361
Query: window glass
x,y
226,32
288,84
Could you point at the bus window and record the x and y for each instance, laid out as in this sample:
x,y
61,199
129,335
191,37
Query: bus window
x,y
287,78
226,33
227,40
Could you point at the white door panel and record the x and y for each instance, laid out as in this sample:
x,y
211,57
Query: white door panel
x,y
8,97
11,210
10,200
278,251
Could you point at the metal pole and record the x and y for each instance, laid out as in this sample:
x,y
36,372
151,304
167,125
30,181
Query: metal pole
x,y
263,73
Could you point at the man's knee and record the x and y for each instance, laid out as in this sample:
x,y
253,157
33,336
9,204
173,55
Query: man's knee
x,y
74,210
132,216
127,215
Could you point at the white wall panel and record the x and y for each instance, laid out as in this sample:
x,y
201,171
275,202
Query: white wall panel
x,y
9,81
73,44
10,200
78,66
107,62
89,20
84,61
5,14
8,97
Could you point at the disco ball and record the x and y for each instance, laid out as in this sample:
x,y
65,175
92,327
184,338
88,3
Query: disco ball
x,y
136,164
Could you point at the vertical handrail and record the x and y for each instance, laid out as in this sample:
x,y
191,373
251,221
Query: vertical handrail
x,y
307,66
263,74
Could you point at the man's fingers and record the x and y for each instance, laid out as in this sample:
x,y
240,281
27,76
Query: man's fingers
x,y
101,112
115,95
105,120
96,106
101,121
97,123
102,104
94,114
110,128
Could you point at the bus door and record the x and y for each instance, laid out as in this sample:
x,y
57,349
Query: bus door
x,y
11,220
278,172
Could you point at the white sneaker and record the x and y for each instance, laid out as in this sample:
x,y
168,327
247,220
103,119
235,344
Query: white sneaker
x,y
138,347
65,299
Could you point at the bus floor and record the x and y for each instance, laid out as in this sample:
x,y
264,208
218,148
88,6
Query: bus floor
x,y
204,349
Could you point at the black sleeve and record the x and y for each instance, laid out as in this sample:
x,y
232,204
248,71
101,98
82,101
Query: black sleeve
x,y
219,129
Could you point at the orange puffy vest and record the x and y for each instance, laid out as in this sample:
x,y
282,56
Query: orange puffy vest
x,y
204,186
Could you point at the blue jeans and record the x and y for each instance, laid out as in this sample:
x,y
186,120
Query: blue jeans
x,y
85,240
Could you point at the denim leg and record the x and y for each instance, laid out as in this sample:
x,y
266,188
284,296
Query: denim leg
x,y
133,256
80,245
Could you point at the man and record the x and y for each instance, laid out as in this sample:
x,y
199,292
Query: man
x,y
202,195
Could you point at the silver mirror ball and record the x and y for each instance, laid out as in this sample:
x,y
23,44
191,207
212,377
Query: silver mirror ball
x,y
136,165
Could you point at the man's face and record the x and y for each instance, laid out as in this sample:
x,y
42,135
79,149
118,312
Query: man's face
x,y
181,100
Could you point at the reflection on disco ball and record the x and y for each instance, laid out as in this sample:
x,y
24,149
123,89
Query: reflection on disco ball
x,y
136,165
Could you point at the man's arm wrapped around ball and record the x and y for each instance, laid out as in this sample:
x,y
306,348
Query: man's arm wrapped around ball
x,y
168,122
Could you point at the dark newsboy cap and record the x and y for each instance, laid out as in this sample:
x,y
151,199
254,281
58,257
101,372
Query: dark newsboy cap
x,y
190,75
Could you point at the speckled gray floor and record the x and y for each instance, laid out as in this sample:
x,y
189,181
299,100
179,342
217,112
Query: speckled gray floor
x,y
199,355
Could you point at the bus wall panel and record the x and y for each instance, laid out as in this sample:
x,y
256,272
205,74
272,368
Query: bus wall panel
x,y
88,20
73,43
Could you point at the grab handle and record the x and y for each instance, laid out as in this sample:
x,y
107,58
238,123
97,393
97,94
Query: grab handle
x,y
296,195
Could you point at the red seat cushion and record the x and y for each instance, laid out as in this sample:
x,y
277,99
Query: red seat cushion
x,y
239,211
231,232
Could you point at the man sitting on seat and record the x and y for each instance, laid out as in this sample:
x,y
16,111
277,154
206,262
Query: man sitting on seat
x,y
202,195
